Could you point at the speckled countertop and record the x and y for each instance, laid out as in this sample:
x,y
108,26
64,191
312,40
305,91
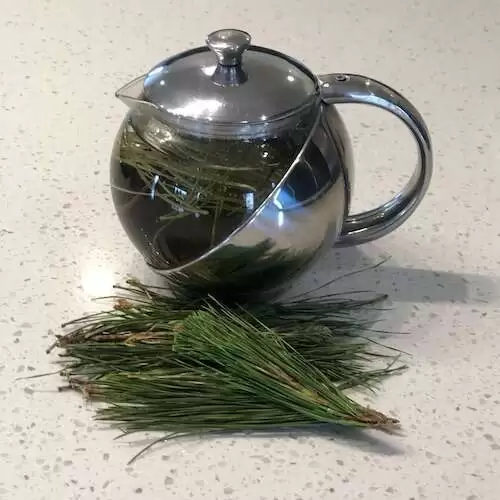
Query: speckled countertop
x,y
61,244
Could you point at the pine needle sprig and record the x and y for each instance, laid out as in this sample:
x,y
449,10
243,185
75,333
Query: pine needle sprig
x,y
225,373
184,364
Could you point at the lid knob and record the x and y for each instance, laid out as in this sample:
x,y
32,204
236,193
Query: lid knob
x,y
229,45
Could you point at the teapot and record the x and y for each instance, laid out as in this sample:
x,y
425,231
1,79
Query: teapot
x,y
233,169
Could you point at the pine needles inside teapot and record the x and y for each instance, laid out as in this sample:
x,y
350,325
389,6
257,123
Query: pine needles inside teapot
x,y
201,176
211,185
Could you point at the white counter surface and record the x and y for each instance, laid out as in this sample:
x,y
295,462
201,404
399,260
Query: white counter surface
x,y
61,245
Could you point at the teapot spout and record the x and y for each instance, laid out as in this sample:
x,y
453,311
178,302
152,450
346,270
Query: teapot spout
x,y
131,94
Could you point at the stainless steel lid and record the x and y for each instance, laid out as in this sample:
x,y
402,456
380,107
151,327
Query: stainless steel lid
x,y
230,87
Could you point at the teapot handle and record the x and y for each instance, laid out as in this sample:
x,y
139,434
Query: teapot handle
x,y
367,226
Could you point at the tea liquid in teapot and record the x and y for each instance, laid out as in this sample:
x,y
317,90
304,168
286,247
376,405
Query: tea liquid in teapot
x,y
179,195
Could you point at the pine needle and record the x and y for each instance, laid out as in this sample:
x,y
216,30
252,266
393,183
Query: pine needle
x,y
186,365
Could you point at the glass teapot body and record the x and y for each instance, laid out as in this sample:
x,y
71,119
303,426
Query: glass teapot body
x,y
230,206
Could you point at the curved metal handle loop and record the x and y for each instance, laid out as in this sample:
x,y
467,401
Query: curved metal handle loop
x,y
375,223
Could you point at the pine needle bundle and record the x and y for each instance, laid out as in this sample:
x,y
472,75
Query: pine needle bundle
x,y
184,366
261,363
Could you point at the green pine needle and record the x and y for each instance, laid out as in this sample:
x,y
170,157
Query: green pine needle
x,y
182,365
